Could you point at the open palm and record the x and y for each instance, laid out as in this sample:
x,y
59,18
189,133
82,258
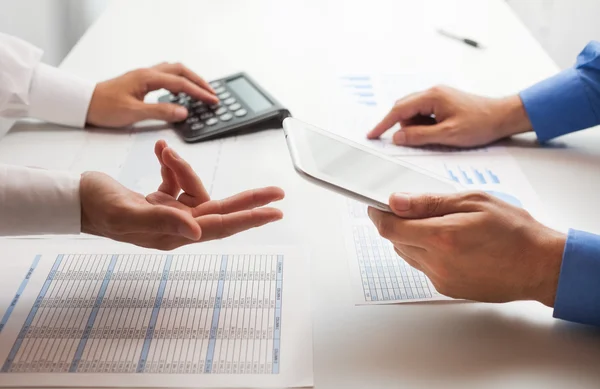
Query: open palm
x,y
180,212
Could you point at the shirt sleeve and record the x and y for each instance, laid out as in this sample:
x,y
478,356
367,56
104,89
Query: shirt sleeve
x,y
578,292
29,88
569,101
36,201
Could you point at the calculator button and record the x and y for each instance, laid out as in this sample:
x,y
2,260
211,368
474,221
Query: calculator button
x,y
235,107
220,90
193,119
197,126
227,117
241,112
197,104
229,101
215,106
201,109
224,95
220,111
174,98
215,84
212,121
206,115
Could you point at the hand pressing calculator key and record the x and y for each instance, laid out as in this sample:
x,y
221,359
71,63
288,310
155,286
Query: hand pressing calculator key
x,y
243,106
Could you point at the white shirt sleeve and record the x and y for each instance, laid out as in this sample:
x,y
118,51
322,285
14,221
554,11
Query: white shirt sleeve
x,y
36,201
29,88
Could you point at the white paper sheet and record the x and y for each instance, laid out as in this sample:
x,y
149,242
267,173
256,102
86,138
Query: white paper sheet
x,y
86,315
379,275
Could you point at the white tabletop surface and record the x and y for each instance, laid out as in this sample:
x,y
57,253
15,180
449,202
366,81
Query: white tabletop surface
x,y
293,49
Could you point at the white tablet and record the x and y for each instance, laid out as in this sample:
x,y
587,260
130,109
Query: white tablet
x,y
355,171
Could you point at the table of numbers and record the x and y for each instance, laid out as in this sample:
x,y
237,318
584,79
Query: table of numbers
x,y
384,275
153,313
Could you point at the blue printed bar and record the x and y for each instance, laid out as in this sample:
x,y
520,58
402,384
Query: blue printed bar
x,y
493,177
15,349
19,293
216,314
452,175
466,177
153,318
92,318
480,177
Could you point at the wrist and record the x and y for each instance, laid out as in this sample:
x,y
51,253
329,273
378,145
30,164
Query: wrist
x,y
86,222
511,118
94,106
549,260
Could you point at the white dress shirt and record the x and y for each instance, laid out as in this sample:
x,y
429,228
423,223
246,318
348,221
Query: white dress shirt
x,y
36,201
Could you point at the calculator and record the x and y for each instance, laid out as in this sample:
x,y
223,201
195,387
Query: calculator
x,y
243,105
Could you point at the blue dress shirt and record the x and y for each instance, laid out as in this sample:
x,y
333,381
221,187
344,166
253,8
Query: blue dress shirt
x,y
568,102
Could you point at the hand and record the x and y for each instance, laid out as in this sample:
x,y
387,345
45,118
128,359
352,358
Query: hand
x,y
474,246
120,102
167,219
446,116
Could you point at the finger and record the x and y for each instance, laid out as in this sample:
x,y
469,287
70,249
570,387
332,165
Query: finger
x,y
181,70
408,259
163,220
169,183
178,84
414,232
222,226
404,109
161,111
243,201
195,193
423,206
421,135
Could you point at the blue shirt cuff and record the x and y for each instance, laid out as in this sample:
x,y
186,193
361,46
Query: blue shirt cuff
x,y
578,291
558,105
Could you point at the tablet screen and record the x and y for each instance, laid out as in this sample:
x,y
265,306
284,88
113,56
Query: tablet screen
x,y
341,163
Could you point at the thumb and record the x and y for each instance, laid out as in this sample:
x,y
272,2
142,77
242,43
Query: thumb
x,y
420,135
429,205
166,220
163,111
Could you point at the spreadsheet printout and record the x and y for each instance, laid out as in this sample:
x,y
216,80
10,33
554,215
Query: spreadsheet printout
x,y
379,275
155,319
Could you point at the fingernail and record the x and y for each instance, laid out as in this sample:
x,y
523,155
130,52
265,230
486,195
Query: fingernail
x,y
369,213
400,202
181,113
400,137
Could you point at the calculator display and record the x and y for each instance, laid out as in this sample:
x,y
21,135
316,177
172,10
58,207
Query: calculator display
x,y
253,98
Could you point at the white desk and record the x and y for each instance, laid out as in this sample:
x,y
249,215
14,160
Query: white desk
x,y
292,49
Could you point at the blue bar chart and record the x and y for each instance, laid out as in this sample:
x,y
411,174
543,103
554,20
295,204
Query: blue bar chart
x,y
483,178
